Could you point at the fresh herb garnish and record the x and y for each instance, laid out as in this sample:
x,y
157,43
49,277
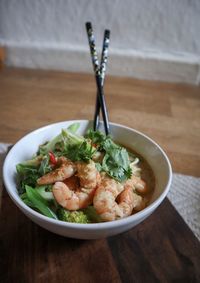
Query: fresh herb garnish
x,y
116,160
75,147
97,137
27,175
82,152
44,166
50,145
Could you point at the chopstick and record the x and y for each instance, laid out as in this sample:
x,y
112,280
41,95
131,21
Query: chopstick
x,y
104,58
95,62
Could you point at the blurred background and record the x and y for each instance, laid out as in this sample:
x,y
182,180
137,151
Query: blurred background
x,y
149,39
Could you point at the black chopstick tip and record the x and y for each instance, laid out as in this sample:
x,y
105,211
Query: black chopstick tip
x,y
107,33
88,25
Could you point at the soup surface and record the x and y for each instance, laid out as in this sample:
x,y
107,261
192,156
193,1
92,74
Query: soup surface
x,y
146,174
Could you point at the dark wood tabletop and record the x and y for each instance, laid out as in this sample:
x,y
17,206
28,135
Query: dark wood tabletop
x,y
160,249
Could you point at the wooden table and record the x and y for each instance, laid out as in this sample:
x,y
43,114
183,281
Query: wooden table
x,y
162,248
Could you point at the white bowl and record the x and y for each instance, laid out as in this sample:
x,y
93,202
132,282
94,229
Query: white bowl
x,y
154,155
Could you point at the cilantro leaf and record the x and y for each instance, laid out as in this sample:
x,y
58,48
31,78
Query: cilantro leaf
x,y
80,152
75,147
116,161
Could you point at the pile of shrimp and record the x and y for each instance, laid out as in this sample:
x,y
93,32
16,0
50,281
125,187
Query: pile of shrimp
x,y
78,184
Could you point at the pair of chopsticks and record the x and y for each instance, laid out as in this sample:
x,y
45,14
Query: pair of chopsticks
x,y
99,75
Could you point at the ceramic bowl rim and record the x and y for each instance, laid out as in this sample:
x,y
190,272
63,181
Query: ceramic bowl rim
x,y
90,226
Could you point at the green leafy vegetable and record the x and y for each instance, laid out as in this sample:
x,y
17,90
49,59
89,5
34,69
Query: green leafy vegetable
x,y
71,138
76,147
116,159
33,163
25,199
82,152
38,202
97,137
74,127
28,172
51,145
45,192
44,166
27,175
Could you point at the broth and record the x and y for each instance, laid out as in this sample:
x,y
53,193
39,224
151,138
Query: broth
x,y
146,174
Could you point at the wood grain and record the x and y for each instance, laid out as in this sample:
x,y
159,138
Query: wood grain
x,y
169,113
160,249
155,252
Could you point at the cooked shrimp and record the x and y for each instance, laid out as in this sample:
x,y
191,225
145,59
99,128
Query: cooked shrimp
x,y
72,200
65,170
138,184
81,197
113,200
138,203
126,201
73,182
88,174
105,200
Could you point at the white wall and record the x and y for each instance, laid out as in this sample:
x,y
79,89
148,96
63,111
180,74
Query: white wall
x,y
153,39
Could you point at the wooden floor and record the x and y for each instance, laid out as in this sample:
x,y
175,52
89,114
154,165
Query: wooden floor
x,y
168,113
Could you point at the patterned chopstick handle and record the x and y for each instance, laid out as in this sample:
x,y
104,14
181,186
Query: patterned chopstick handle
x,y
92,45
104,58
100,100
104,55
